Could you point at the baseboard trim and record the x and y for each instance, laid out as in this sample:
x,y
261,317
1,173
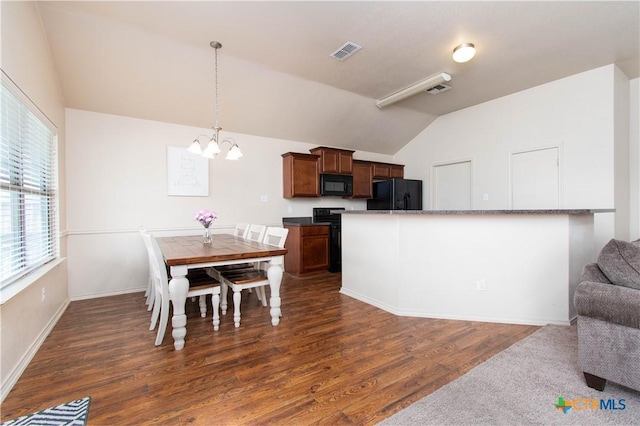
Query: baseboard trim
x,y
107,294
402,313
15,374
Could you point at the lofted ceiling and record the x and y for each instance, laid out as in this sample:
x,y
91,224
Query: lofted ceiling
x,y
152,60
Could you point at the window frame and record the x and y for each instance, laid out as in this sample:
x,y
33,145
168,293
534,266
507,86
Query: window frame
x,y
10,285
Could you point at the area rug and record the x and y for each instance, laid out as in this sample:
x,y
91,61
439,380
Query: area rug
x,y
537,381
72,413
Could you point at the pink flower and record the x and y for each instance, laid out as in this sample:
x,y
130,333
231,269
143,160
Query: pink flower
x,y
205,217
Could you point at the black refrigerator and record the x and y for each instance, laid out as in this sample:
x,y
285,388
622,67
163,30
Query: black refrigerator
x,y
396,194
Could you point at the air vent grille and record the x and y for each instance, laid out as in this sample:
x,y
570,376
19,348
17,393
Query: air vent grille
x,y
438,89
345,51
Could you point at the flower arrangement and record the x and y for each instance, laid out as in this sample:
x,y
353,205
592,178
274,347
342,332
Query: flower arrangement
x,y
205,217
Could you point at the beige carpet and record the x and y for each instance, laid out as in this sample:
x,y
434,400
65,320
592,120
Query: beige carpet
x,y
522,386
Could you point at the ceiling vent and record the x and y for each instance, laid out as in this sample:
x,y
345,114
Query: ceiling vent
x,y
438,89
346,50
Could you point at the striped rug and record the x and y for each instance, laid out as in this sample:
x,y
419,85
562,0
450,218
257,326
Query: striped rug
x,y
72,413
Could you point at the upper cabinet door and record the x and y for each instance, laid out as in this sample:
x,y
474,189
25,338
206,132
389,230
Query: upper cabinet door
x,y
387,170
333,160
362,179
380,170
396,171
300,175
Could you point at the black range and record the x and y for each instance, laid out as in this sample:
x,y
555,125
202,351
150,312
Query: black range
x,y
332,216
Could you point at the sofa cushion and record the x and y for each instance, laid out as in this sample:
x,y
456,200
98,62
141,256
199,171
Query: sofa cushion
x,y
620,262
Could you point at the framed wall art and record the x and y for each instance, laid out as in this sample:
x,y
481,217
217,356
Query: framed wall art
x,y
188,173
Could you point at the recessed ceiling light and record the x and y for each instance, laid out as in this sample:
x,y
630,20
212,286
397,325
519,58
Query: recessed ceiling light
x,y
464,52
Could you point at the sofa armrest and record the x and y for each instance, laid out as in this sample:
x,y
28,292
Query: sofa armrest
x,y
591,272
608,302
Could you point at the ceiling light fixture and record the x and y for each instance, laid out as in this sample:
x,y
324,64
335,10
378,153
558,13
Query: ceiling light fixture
x,y
418,87
464,52
213,147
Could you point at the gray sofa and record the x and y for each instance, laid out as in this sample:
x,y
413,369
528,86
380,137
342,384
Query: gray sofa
x,y
607,302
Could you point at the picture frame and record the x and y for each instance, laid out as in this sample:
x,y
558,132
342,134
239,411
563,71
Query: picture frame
x,y
187,173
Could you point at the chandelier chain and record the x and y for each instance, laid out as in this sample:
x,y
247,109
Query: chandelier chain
x,y
216,84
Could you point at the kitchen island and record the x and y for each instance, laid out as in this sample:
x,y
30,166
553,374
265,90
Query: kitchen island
x,y
513,266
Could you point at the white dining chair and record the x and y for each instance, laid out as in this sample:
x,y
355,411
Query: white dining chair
x,y
251,232
150,291
160,313
241,230
256,232
251,278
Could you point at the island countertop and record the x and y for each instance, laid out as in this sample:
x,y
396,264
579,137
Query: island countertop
x,y
480,212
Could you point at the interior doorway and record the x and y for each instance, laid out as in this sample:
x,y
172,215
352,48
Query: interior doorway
x,y
535,179
451,188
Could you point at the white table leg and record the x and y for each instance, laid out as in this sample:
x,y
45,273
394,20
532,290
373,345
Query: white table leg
x,y
178,288
274,274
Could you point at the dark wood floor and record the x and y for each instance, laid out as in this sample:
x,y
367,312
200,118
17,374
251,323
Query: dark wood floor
x,y
332,360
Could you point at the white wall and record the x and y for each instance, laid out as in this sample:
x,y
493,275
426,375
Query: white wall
x,y
621,148
25,319
634,159
117,182
576,114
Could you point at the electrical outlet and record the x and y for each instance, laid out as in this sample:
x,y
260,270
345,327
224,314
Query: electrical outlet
x,y
44,294
264,198
290,209
482,284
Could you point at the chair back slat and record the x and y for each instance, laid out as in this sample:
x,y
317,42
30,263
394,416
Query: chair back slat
x,y
276,236
256,232
241,230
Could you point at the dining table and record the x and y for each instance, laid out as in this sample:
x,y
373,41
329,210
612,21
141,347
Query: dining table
x,y
182,253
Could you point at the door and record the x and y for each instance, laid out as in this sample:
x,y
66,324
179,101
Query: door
x,y
452,186
535,179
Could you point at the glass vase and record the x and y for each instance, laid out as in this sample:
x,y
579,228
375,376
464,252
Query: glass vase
x,y
206,238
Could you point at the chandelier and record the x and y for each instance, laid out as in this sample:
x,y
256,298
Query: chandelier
x,y
214,145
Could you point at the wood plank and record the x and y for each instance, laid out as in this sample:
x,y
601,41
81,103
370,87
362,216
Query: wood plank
x,y
331,360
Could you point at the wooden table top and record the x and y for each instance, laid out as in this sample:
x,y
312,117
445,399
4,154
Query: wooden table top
x,y
189,250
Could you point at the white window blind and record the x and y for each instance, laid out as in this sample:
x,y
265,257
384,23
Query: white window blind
x,y
28,187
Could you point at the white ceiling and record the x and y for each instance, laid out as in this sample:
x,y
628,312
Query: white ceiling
x,y
152,60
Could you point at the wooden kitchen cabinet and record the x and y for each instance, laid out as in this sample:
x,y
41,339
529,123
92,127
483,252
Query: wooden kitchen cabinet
x,y
333,160
396,171
362,179
387,170
300,175
308,249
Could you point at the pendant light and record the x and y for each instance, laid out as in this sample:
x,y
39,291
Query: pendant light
x,y
213,147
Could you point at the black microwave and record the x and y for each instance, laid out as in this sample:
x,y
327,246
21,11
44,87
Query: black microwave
x,y
341,185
